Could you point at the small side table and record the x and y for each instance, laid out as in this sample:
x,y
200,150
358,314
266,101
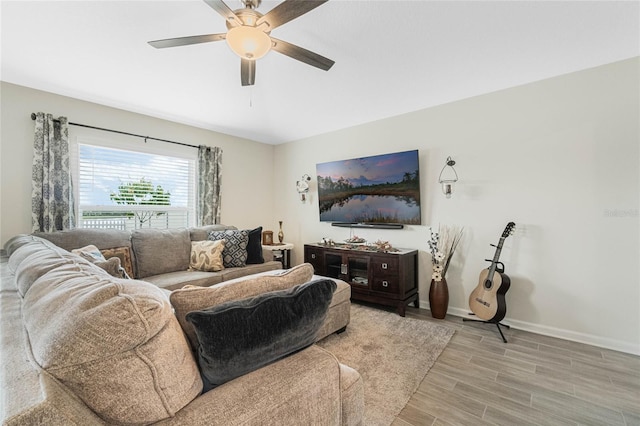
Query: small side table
x,y
281,252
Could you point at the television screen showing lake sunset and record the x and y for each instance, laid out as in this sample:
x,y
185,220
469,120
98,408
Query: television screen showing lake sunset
x,y
378,189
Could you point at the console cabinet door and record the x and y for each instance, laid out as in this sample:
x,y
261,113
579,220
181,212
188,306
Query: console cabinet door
x,y
358,272
333,265
315,256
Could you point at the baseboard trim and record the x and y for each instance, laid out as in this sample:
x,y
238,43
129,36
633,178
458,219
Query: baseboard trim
x,y
589,339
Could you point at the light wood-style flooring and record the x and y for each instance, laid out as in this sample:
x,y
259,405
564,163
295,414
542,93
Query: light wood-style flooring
x,y
531,380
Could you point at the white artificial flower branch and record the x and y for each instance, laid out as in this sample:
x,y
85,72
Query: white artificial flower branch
x,y
442,245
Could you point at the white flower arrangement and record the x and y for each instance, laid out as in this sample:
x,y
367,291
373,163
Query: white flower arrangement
x,y
442,245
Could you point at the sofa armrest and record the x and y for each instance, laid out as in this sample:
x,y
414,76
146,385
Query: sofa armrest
x,y
303,388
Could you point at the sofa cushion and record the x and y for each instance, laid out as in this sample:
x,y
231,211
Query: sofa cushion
x,y
114,343
22,246
80,237
35,259
306,388
206,256
234,254
233,273
238,337
190,299
160,250
177,280
342,293
254,246
18,241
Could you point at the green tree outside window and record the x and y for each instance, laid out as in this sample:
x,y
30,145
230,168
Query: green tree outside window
x,y
141,193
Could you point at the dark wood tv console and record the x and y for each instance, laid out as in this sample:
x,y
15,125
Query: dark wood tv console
x,y
389,279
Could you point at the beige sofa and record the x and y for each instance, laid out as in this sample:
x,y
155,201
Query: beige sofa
x,y
170,269
82,347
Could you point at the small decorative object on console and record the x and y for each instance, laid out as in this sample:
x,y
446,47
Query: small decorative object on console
x,y
327,241
354,239
383,246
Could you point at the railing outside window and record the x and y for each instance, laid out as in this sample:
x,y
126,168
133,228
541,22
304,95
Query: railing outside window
x,y
124,219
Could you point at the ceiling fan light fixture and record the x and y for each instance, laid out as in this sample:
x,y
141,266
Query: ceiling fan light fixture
x,y
248,42
248,34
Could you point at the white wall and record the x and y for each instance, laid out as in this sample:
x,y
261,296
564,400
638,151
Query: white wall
x,y
247,165
559,157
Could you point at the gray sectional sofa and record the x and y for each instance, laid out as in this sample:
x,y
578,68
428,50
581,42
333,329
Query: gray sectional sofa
x,y
159,256
81,347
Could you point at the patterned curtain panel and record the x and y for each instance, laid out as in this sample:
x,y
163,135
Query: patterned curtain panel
x,y
209,176
52,192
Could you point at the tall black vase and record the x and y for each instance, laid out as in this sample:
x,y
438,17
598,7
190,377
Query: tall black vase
x,y
439,298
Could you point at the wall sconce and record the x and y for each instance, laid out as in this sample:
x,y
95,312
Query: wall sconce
x,y
449,179
303,187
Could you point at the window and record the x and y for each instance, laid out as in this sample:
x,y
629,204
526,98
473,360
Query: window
x,y
122,189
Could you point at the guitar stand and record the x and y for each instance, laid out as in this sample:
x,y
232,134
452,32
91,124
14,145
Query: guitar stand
x,y
497,323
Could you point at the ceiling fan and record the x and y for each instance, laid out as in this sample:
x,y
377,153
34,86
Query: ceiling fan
x,y
248,34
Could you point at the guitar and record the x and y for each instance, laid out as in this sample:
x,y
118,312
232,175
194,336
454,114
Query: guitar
x,y
487,299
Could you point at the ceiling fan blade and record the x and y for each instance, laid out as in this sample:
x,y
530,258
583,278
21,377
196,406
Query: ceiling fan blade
x,y
184,41
247,72
287,11
301,54
224,10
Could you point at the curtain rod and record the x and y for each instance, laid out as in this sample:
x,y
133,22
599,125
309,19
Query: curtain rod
x,y
33,117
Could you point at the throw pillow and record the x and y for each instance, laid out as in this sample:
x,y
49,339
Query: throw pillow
x,y
187,299
254,246
238,337
90,253
113,268
206,256
124,254
235,247
112,265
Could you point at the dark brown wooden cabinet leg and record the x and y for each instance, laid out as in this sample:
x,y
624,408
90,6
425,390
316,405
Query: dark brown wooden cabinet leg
x,y
416,303
401,310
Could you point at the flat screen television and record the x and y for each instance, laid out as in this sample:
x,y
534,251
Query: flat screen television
x,y
376,191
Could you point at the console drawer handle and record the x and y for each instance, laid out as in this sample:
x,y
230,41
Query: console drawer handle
x,y
384,266
313,255
385,284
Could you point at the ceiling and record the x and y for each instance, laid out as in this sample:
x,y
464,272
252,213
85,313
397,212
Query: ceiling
x,y
392,57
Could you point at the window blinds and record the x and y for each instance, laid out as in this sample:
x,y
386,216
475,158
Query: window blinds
x,y
124,189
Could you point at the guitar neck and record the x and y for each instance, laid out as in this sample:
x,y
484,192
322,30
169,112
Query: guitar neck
x,y
494,262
